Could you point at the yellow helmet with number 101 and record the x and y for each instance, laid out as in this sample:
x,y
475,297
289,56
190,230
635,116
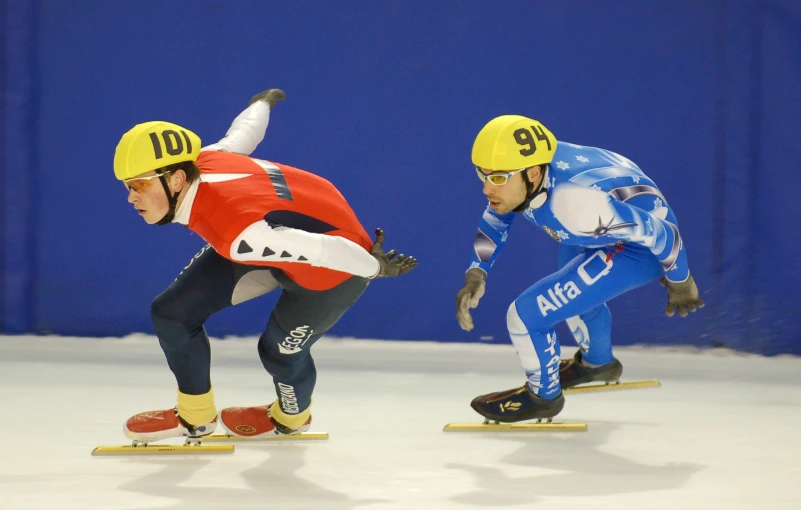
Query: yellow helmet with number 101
x,y
152,145
512,142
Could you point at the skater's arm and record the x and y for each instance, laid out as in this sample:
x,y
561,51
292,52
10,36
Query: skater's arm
x,y
595,214
490,238
264,242
246,131
248,128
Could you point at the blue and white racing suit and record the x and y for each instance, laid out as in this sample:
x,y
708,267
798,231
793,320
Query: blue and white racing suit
x,y
616,233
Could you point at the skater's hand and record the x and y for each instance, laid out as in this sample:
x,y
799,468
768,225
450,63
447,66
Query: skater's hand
x,y
468,296
682,296
270,96
390,264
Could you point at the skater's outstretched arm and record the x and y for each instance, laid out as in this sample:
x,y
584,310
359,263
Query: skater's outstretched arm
x,y
390,263
248,128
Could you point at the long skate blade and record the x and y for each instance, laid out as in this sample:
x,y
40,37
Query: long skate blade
x,y
303,436
165,449
633,385
515,427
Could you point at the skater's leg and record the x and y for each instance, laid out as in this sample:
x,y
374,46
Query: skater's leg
x,y
539,353
580,289
299,319
581,286
208,284
591,330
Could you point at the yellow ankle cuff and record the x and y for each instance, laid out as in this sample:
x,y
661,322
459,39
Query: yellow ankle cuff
x,y
197,409
293,421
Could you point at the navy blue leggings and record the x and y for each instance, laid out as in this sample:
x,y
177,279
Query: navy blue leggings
x,y
211,283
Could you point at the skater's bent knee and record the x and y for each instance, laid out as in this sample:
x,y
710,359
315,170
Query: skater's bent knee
x,y
164,308
513,321
534,322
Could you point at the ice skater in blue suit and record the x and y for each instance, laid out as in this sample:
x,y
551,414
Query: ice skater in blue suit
x,y
616,233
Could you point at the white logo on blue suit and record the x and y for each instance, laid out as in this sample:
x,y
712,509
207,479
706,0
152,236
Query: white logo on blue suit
x,y
559,295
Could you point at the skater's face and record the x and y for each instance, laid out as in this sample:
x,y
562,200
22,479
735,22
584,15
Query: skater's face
x,y
147,194
504,198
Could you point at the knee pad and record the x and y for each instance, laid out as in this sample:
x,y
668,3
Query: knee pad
x,y
534,322
514,323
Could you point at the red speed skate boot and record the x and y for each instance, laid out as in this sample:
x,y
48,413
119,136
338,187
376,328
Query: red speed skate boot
x,y
256,422
156,425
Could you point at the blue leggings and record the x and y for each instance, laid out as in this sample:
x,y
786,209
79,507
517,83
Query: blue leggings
x,y
577,293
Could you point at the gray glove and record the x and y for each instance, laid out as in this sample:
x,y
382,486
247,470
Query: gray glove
x,y
390,264
468,296
682,296
270,96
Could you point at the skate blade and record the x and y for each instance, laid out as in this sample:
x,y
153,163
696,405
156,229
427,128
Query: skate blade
x,y
594,388
516,427
165,449
303,436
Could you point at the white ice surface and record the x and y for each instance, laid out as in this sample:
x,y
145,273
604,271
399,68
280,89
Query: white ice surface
x,y
721,433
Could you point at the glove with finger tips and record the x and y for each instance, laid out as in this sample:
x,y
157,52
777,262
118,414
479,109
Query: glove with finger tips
x,y
391,263
682,296
270,96
469,295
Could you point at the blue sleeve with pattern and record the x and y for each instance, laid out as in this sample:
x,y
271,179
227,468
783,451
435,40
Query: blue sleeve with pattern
x,y
602,219
660,236
490,238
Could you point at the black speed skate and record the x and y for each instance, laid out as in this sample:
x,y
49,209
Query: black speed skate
x,y
573,372
517,404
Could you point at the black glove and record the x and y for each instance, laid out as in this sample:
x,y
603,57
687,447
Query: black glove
x,y
270,96
682,296
468,296
390,264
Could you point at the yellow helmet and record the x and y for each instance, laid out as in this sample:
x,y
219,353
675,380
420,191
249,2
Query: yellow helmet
x,y
512,142
152,145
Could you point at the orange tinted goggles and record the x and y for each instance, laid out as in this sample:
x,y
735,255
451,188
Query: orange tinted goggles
x,y
140,184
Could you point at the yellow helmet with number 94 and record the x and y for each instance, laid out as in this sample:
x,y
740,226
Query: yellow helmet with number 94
x,y
512,142
152,145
